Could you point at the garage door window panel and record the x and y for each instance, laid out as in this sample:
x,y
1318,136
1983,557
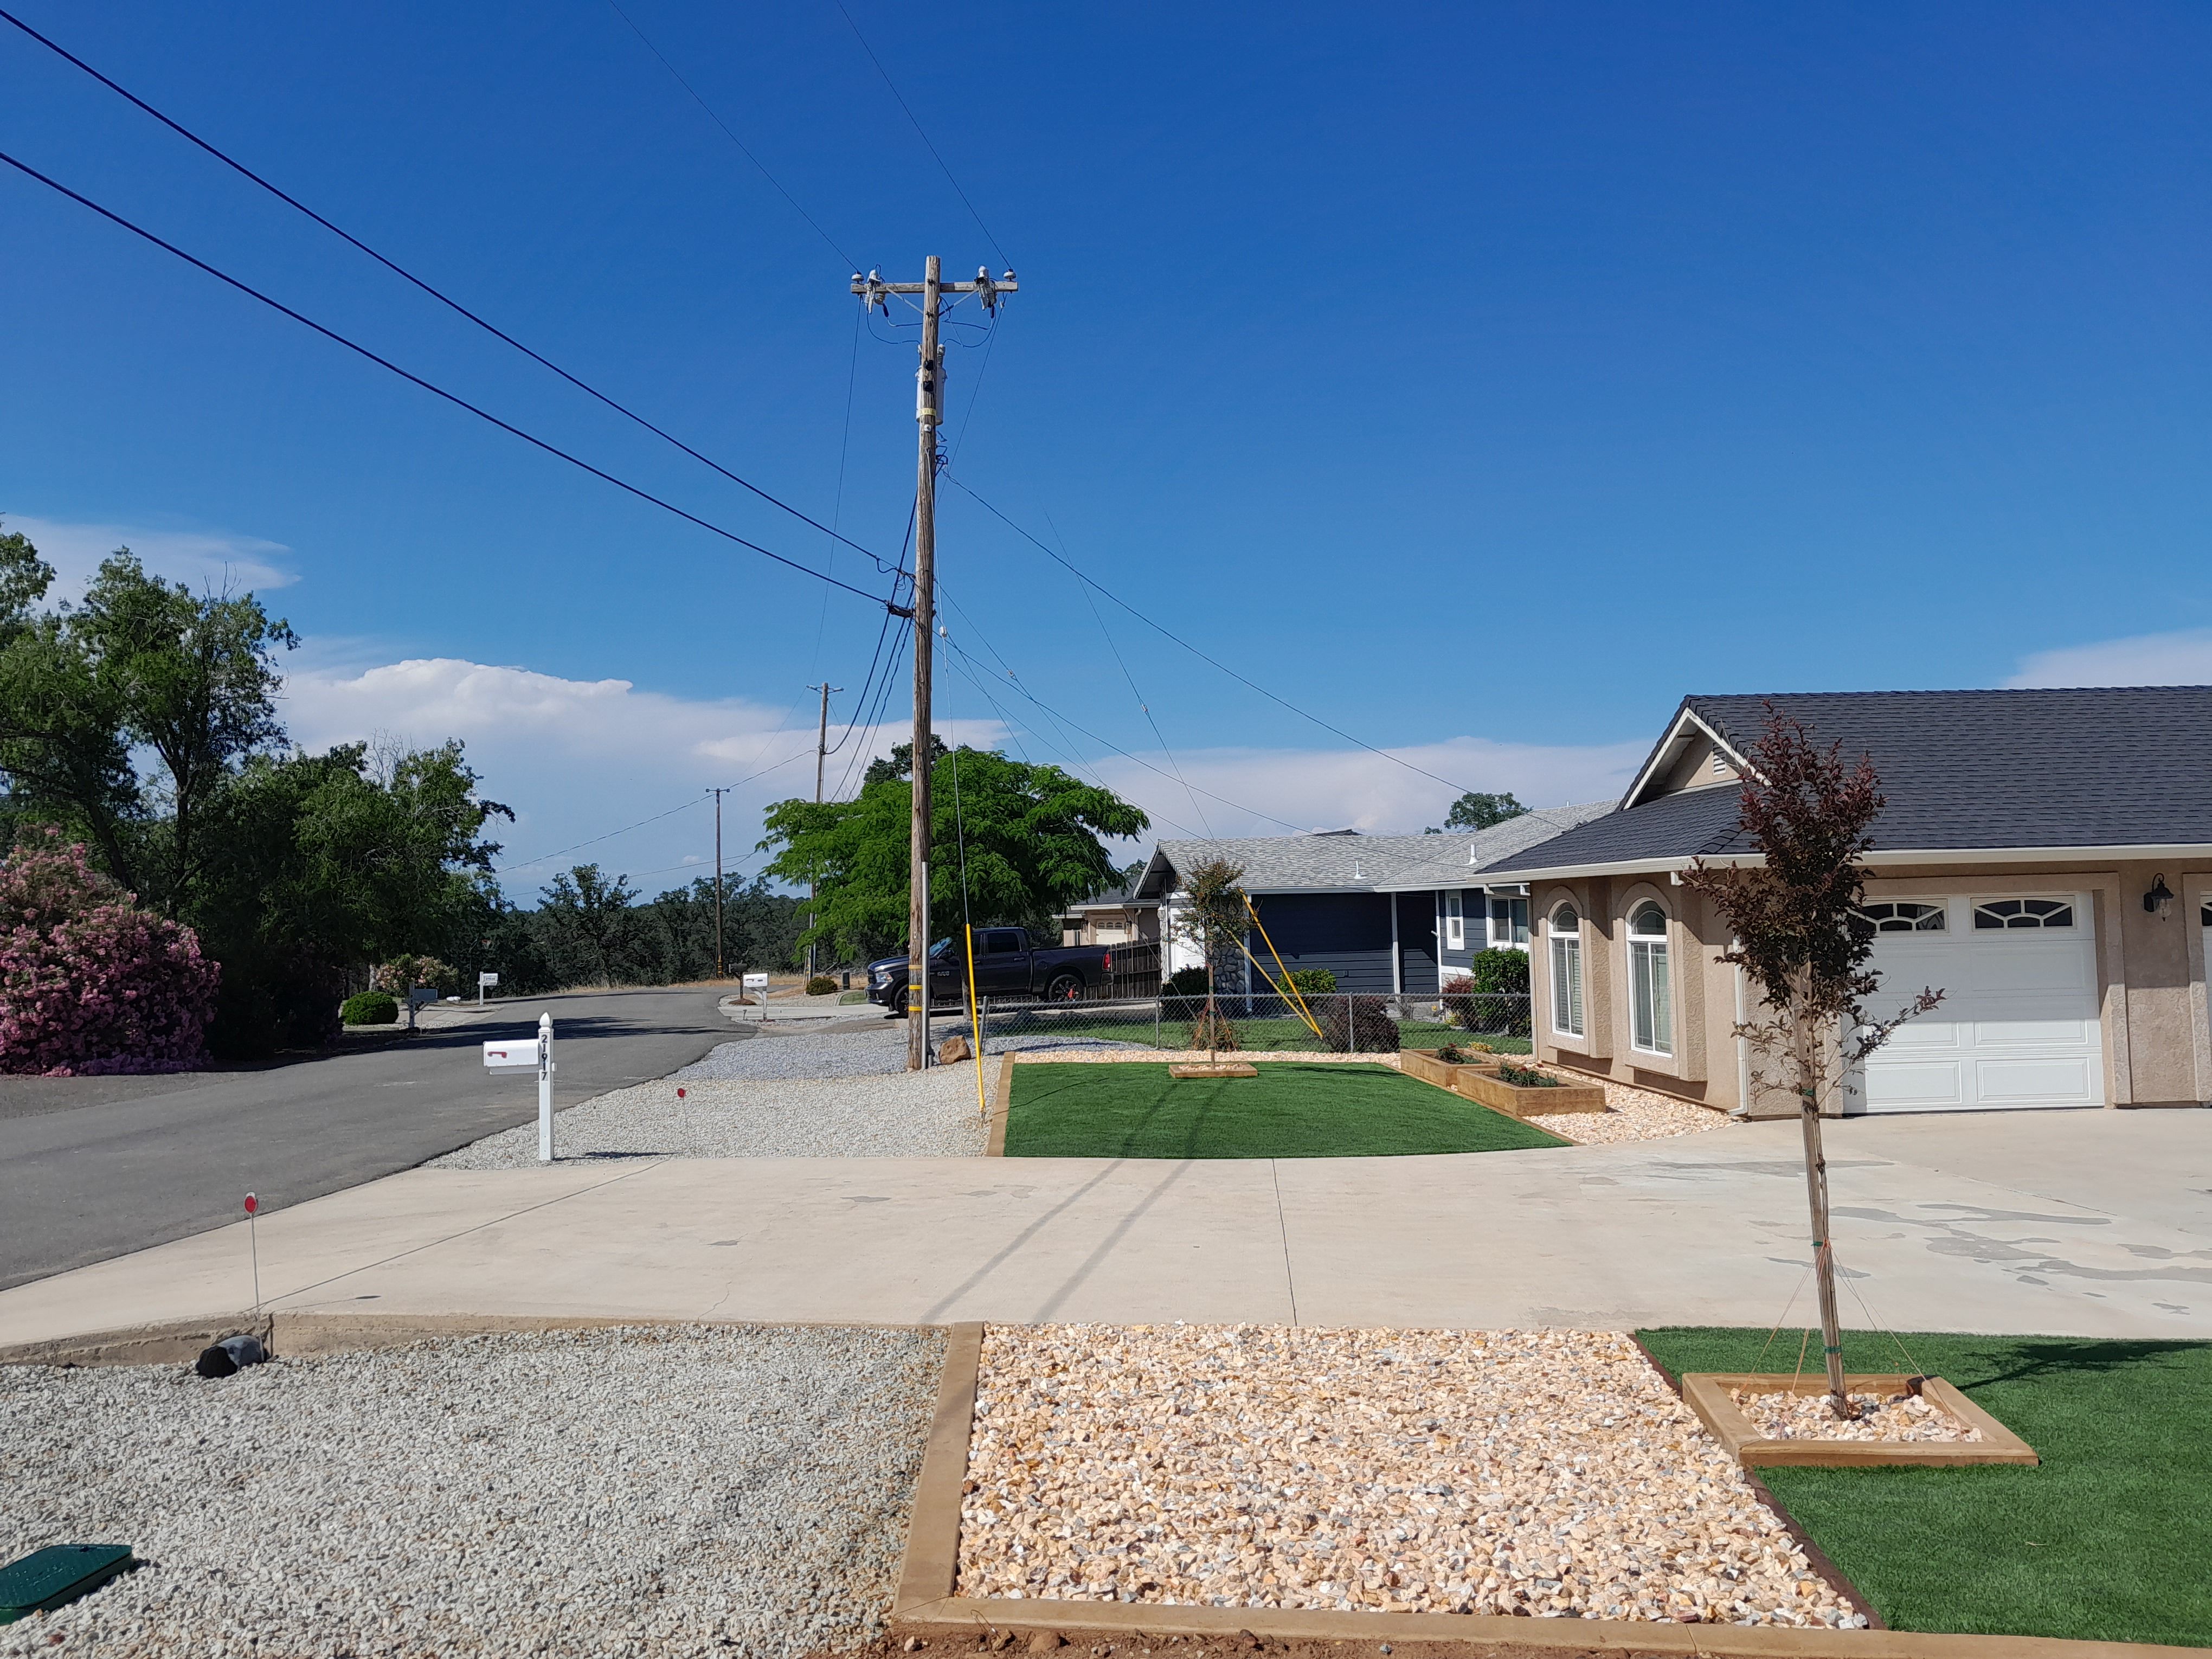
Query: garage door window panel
x,y
1904,916
1650,988
2011,914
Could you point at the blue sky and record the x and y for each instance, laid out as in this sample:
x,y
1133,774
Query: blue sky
x,y
1481,379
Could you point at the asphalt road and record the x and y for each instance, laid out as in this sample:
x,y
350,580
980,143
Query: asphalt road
x,y
92,1167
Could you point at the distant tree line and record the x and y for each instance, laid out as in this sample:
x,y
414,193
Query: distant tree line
x,y
589,930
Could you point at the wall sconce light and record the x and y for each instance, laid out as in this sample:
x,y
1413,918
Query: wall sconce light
x,y
2159,900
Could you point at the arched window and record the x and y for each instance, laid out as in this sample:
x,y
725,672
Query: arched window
x,y
1651,988
1565,929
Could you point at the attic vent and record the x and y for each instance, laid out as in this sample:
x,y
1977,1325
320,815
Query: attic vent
x,y
1720,764
1470,852
1359,873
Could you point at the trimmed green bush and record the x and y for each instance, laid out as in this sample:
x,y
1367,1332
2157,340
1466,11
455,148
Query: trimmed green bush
x,y
1187,983
370,1008
821,985
1314,982
1499,970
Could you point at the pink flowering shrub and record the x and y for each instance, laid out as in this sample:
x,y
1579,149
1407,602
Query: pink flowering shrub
x,y
89,983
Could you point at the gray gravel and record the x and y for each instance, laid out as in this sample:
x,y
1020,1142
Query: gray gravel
x,y
815,1094
851,1054
741,1491
902,1114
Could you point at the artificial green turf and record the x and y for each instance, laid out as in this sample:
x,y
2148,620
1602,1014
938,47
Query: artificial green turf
x,y
1291,1109
2110,1539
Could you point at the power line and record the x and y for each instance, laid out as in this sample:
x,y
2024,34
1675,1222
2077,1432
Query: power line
x,y
547,857
924,136
436,391
851,264
1097,617
398,270
1296,828
1163,629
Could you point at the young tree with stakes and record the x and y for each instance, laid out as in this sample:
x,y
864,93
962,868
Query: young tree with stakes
x,y
1799,935
1212,920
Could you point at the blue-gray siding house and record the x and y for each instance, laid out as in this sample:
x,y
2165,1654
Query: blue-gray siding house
x,y
1386,914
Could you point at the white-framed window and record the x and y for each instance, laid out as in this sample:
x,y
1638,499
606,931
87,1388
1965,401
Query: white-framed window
x,y
1509,923
1904,916
1566,936
2009,912
1650,988
1454,922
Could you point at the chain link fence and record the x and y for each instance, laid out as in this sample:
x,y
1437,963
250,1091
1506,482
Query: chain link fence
x,y
1258,1022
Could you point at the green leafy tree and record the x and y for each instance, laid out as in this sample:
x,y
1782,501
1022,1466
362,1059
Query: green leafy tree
x,y
1476,810
194,679
595,932
1031,833
62,745
321,866
900,763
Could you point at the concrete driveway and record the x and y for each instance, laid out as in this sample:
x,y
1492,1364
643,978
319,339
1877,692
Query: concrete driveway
x,y
2089,1223
95,1167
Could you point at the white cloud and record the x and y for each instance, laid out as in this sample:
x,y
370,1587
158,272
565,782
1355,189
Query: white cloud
x,y
596,770
2184,658
200,559
599,771
1356,789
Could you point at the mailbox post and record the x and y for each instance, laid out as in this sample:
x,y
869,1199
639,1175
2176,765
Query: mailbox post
x,y
483,980
518,1056
758,982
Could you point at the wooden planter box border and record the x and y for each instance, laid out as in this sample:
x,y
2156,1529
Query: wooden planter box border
x,y
1482,1083
1708,1394
928,1603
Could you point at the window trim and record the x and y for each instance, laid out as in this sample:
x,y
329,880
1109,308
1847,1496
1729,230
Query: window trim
x,y
1454,919
1650,971
1569,1004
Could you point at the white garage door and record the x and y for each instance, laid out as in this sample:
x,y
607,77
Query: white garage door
x,y
2018,1022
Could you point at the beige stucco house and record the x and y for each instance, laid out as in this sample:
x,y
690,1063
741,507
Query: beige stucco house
x,y
2045,859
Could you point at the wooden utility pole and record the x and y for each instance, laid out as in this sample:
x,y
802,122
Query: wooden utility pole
x,y
718,795
821,756
929,414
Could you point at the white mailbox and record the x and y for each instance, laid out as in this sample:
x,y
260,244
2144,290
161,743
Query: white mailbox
x,y
497,1054
756,982
487,979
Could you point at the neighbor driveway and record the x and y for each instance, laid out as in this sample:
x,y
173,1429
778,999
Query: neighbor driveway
x,y
94,1167
2091,1224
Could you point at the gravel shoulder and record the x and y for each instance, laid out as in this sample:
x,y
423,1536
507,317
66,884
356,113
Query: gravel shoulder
x,y
737,1491
929,1114
799,1093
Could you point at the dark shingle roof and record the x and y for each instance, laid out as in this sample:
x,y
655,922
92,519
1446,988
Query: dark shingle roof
x,y
1334,862
2117,766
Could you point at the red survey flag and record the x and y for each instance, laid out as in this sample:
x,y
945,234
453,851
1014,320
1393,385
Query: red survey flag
x,y
252,1204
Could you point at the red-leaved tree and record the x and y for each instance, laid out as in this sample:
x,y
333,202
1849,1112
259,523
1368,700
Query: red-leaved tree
x,y
89,983
1801,938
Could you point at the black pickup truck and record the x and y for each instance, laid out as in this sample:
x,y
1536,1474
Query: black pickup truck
x,y
1006,965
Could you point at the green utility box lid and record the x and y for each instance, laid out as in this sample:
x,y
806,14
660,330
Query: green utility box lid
x,y
57,1575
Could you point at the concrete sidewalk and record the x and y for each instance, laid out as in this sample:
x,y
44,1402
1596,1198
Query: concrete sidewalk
x,y
2092,1223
